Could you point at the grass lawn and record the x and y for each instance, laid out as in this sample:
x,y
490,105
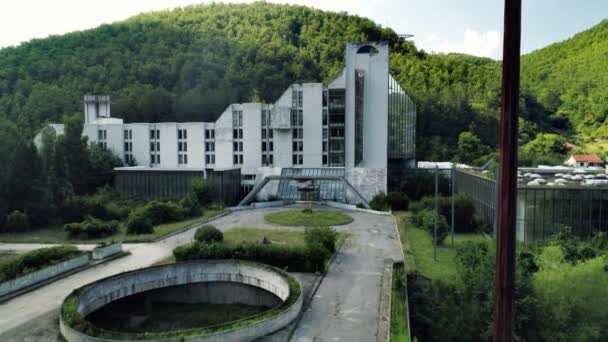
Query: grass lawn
x,y
399,323
6,256
284,237
56,234
308,219
418,248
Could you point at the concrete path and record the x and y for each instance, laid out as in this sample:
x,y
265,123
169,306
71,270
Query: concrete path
x,y
344,309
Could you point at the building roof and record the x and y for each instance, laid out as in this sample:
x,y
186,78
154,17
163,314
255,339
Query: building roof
x,y
589,158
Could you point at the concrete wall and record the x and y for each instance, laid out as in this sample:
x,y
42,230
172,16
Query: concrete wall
x,y
100,253
42,274
214,293
252,138
102,292
367,181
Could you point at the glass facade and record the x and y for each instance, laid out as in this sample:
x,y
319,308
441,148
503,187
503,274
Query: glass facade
x,y
359,91
541,210
237,137
337,113
328,190
401,122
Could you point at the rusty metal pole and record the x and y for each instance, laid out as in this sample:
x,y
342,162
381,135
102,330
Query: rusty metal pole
x,y
507,176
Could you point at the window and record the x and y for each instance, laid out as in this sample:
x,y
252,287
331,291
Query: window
x,y
267,135
209,146
154,147
182,146
237,136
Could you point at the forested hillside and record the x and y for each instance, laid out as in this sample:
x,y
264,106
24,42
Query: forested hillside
x,y
189,64
570,82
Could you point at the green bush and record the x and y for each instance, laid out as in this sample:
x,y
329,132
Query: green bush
x,y
139,224
307,211
201,191
16,222
397,201
572,297
161,212
208,234
419,184
35,260
103,205
191,206
379,202
91,228
326,236
465,219
427,222
309,258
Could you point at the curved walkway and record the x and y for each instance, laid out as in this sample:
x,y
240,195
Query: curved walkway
x,y
345,306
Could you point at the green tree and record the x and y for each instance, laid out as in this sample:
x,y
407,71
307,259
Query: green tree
x,y
470,148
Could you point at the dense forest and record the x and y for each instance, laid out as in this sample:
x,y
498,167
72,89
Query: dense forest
x,y
189,64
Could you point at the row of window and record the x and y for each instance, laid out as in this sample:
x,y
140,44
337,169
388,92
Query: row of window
x,y
237,137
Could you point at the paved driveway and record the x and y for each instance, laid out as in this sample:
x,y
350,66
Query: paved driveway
x,y
345,307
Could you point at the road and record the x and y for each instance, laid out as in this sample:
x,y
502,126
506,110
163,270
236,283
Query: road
x,y
344,308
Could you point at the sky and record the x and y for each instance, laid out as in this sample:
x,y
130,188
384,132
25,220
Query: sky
x,y
466,26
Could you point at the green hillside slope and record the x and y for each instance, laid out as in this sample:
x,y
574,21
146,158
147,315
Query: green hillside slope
x,y
189,64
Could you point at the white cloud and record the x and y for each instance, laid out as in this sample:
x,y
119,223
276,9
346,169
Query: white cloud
x,y
484,44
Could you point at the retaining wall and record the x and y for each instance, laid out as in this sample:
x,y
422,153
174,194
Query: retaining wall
x,y
102,292
100,253
35,277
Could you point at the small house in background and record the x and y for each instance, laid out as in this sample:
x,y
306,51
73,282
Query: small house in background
x,y
570,146
584,160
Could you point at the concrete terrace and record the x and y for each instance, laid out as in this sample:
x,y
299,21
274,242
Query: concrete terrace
x,y
345,307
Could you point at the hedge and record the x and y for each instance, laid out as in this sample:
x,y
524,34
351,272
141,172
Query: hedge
x,y
309,258
35,260
92,228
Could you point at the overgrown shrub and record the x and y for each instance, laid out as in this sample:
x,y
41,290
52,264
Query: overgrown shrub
x,y
379,202
16,222
91,228
309,258
191,206
397,201
35,260
104,205
462,310
427,222
573,297
465,220
325,236
201,191
161,212
139,224
419,184
208,234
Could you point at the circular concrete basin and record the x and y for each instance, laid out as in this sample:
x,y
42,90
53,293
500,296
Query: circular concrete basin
x,y
216,281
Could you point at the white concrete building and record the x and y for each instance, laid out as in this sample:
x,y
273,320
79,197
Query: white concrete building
x,y
362,121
